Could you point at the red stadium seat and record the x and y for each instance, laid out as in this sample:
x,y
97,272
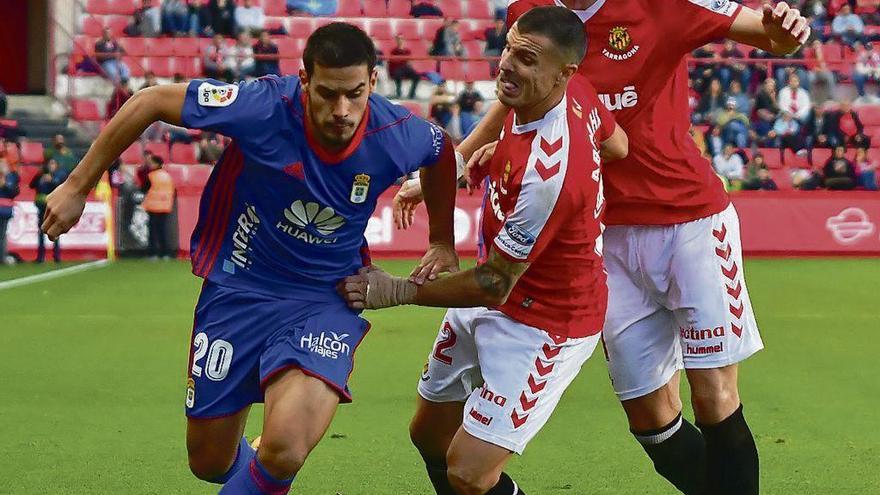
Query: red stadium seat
x,y
178,173
419,48
134,154
416,108
473,48
410,29
478,71
275,8
187,47
360,23
12,154
792,159
31,152
869,115
117,23
159,149
452,70
349,8
198,174
161,47
430,28
190,67
92,26
479,9
290,47
123,7
380,29
385,46
874,134
451,8
819,156
424,66
782,178
183,153
135,47
83,45
85,110
375,9
771,157
399,8
136,65
275,25
290,66
161,66
301,27
98,7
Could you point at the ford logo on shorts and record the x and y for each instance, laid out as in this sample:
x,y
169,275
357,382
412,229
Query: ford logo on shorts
x,y
519,235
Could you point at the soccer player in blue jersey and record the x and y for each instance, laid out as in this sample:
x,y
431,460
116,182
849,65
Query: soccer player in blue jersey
x,y
281,221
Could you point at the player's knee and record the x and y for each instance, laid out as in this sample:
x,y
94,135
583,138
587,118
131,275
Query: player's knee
x,y
420,436
207,467
654,410
467,481
714,402
282,460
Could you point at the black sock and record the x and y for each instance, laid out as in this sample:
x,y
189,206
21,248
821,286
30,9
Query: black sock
x,y
505,486
438,477
731,456
679,454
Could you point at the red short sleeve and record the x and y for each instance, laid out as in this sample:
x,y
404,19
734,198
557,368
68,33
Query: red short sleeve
x,y
693,23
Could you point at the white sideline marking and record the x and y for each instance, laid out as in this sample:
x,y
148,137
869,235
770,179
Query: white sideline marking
x,y
31,279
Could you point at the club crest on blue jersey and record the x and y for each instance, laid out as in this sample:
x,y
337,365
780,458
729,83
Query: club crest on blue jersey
x,y
360,188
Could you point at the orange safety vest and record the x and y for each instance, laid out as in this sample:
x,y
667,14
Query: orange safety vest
x,y
160,196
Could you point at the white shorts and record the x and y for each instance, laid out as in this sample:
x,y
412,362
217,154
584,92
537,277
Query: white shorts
x,y
677,299
509,375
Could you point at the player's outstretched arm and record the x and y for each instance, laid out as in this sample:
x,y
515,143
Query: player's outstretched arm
x,y
778,29
489,284
65,205
616,147
439,183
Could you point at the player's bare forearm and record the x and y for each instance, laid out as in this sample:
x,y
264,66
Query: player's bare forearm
x,y
439,183
487,130
616,147
139,112
778,29
488,284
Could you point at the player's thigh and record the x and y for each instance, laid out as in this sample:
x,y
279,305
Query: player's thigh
x,y
298,411
212,444
452,368
714,393
433,426
475,463
708,293
525,372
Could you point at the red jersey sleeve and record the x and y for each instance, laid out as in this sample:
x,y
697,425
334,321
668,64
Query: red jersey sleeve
x,y
541,209
693,23
516,8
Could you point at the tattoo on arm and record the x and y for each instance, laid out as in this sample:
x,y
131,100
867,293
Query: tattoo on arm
x,y
497,275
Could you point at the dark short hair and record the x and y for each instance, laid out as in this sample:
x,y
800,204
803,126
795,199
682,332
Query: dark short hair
x,y
338,45
562,26
157,159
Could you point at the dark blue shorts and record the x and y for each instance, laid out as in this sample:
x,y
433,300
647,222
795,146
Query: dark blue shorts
x,y
241,339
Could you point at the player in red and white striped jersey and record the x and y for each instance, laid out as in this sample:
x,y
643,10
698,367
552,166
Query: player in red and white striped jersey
x,y
523,322
677,296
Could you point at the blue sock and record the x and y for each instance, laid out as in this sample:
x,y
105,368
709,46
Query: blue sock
x,y
242,459
255,480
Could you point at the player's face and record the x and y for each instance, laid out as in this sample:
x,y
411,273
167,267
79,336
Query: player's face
x,y
337,101
530,69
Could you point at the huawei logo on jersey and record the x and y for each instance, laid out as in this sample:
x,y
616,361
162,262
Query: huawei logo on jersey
x,y
628,98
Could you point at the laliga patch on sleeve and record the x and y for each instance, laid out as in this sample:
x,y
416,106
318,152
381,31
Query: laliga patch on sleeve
x,y
723,7
211,95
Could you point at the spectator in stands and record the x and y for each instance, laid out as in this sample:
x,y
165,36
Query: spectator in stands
x,y
867,67
425,8
765,180
766,107
847,26
213,61
266,55
734,124
438,46
730,166
210,148
786,132
496,39
121,94
175,17
795,99
714,142
239,57
805,179
158,188
149,80
752,181
222,17
2,102
108,53
63,155
500,8
823,129
201,21
840,173
441,105
866,169
733,71
743,102
851,128
250,17
44,183
712,102
817,13
9,189
146,21
704,72
452,40
822,79
401,68
470,104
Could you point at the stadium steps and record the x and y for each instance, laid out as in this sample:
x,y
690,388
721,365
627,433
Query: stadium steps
x,y
38,126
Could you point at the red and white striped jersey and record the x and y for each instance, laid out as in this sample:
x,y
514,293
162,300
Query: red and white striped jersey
x,y
544,206
636,61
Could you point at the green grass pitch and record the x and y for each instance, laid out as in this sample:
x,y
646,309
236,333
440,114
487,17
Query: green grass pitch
x,y
92,380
